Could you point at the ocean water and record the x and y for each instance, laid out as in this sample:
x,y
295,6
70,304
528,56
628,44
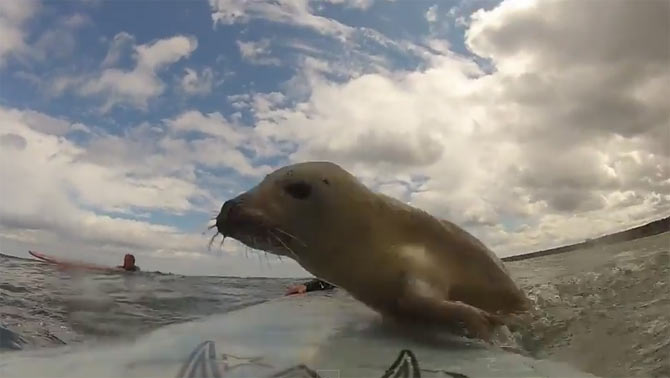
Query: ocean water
x,y
45,306
604,310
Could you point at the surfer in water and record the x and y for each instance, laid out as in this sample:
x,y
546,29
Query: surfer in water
x,y
315,284
129,264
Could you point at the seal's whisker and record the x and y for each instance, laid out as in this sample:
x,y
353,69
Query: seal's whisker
x,y
259,260
267,261
285,246
208,228
209,246
291,236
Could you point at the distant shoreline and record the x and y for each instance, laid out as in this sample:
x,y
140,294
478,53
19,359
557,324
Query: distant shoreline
x,y
652,228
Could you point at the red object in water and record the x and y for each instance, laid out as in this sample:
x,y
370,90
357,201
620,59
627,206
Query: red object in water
x,y
70,263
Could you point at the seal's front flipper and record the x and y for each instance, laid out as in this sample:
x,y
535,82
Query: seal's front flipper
x,y
418,306
479,323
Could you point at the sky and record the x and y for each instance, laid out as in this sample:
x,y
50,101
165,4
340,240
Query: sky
x,y
124,125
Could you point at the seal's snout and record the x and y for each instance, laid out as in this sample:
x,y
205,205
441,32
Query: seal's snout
x,y
223,219
249,225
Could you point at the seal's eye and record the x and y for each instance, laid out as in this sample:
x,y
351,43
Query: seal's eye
x,y
299,190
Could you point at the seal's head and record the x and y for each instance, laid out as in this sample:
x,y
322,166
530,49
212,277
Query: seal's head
x,y
286,213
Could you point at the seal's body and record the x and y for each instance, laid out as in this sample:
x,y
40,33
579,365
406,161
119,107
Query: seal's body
x,y
397,259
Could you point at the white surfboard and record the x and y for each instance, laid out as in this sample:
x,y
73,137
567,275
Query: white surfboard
x,y
320,334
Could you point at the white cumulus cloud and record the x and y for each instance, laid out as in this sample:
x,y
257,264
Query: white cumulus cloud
x,y
197,83
134,87
296,13
258,52
13,17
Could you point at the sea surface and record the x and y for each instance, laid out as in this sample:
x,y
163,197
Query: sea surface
x,y
604,310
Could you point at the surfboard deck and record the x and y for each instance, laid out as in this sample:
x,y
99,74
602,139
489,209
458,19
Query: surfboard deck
x,y
73,264
319,334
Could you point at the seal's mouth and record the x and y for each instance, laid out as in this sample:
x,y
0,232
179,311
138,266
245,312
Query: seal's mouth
x,y
253,229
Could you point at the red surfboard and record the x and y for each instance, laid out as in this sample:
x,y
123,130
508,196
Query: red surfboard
x,y
70,263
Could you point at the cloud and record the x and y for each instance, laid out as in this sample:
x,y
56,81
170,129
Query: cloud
x,y
223,143
178,154
80,127
134,87
355,41
194,83
313,70
57,41
29,77
119,87
502,33
348,50
44,123
122,44
76,21
51,196
105,187
443,22
13,17
156,55
568,124
431,14
357,4
295,13
13,141
61,84
258,52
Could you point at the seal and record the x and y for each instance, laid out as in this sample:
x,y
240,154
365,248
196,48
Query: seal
x,y
399,260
